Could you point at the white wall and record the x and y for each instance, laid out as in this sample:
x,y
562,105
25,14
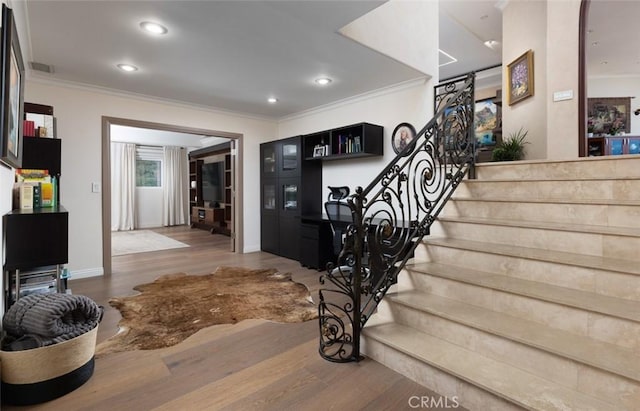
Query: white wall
x,y
412,103
618,87
79,113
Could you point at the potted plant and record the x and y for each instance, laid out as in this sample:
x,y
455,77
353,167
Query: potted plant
x,y
511,148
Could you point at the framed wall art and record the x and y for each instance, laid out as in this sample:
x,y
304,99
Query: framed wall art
x,y
11,93
403,136
609,115
520,78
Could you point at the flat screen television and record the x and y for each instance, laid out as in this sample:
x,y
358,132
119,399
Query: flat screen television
x,y
213,182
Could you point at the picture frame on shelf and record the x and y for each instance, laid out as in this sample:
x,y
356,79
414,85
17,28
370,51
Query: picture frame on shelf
x,y
403,136
520,78
11,93
319,151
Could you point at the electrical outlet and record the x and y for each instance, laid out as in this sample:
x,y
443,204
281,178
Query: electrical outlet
x,y
95,187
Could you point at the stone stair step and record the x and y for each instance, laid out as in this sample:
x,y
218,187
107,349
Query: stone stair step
x,y
588,301
614,242
574,259
578,169
578,190
585,350
515,385
596,212
543,225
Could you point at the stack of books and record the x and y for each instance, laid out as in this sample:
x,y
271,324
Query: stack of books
x,y
35,189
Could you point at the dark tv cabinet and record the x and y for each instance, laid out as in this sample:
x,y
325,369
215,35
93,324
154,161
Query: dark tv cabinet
x,y
291,187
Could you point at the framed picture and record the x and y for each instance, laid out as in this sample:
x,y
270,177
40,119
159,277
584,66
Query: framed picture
x,y
485,121
520,78
11,93
318,151
609,115
403,136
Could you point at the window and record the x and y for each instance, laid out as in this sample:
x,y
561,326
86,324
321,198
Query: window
x,y
148,166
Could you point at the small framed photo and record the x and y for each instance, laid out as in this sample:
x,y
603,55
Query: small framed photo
x,y
319,151
403,136
520,78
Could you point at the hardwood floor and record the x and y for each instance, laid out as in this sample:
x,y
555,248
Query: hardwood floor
x,y
252,365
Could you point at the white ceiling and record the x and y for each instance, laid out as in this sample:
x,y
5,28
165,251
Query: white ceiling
x,y
233,55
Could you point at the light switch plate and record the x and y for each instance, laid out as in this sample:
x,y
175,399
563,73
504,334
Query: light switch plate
x,y
563,95
95,187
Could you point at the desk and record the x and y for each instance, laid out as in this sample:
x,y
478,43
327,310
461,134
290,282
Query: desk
x,y
316,245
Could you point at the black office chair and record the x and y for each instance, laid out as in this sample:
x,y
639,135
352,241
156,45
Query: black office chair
x,y
339,215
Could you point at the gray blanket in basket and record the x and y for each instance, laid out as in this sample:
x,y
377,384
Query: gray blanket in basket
x,y
43,319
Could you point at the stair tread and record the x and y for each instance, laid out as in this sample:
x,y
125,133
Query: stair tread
x,y
557,226
560,257
579,348
585,300
589,201
513,384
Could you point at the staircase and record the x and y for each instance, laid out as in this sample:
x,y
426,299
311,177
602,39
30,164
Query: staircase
x,y
527,293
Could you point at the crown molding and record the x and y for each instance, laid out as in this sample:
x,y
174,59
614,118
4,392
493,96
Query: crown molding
x,y
37,78
358,98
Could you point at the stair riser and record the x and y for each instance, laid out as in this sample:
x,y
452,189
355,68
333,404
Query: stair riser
x,y
592,214
609,167
603,282
611,246
550,190
620,391
453,388
598,326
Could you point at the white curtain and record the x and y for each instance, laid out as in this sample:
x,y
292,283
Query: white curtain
x,y
123,186
174,189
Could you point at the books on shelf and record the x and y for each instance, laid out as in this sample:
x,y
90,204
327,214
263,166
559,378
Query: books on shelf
x,y
35,189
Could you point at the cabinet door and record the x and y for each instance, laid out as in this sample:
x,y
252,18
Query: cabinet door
x,y
268,164
633,145
616,146
290,154
269,227
290,192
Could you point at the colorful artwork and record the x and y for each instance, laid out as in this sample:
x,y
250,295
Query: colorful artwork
x,y
520,78
485,121
609,115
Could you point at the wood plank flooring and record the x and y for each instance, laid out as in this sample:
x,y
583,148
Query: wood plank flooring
x,y
252,365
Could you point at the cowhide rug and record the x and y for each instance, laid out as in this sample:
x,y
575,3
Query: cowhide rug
x,y
175,306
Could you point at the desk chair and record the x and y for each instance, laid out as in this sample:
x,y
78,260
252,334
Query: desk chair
x,y
339,215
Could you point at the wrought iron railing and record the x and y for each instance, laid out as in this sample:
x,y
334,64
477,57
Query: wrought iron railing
x,y
392,215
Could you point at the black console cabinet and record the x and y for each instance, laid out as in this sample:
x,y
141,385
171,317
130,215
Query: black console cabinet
x,y
291,187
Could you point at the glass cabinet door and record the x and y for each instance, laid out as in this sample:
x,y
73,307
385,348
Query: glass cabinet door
x,y
269,196
290,197
289,157
268,159
634,145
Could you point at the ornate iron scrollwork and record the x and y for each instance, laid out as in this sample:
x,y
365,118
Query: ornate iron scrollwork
x,y
390,217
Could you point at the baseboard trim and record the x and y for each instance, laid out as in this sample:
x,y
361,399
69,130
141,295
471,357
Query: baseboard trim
x,y
86,273
251,249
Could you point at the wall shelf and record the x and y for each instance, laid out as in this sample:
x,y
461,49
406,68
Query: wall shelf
x,y
354,141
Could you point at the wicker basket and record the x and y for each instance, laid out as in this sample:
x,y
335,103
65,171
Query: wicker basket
x,y
42,374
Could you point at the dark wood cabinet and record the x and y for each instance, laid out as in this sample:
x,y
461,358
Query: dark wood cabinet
x,y
36,240
291,187
195,182
316,242
356,140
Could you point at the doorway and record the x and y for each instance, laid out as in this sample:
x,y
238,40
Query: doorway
x,y
236,154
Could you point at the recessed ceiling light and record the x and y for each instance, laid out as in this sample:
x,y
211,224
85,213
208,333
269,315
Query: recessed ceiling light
x,y
153,28
272,100
127,67
484,17
491,43
595,43
604,62
323,81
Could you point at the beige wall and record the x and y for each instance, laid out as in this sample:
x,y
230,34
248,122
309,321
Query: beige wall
x,y
550,29
79,115
524,27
